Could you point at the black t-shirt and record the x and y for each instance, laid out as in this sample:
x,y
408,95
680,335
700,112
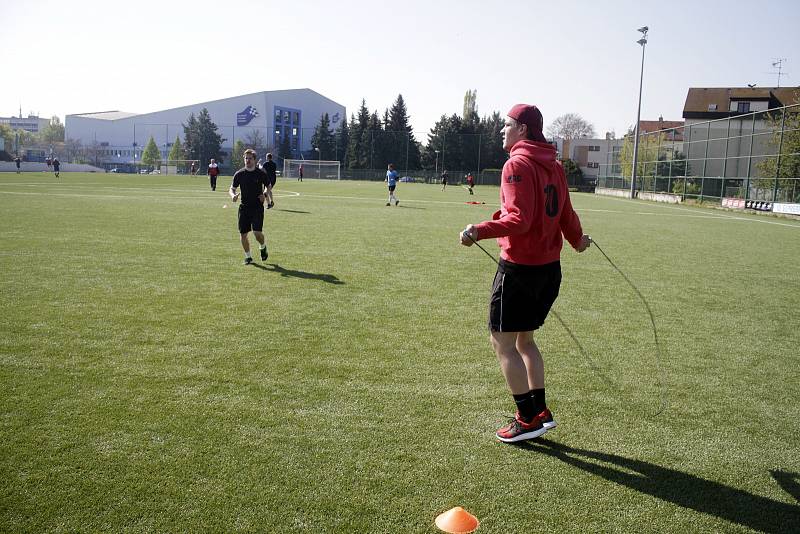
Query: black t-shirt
x,y
271,169
252,184
56,164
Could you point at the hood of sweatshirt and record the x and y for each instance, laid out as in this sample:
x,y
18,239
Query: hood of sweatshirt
x,y
543,154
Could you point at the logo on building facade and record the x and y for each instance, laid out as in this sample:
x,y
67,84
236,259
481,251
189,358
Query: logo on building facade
x,y
335,118
244,117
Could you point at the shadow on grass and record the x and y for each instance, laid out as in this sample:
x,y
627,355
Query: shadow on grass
x,y
292,211
683,489
275,268
407,207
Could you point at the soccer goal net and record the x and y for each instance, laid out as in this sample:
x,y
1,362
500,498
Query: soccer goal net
x,y
181,166
311,168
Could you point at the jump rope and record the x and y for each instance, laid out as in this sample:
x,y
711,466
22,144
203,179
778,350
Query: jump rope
x,y
592,364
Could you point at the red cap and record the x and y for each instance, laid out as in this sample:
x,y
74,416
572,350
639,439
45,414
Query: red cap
x,y
531,117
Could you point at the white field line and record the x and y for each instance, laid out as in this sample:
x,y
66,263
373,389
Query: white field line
x,y
692,214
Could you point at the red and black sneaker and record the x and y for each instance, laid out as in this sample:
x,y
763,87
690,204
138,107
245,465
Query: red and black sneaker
x,y
546,417
519,430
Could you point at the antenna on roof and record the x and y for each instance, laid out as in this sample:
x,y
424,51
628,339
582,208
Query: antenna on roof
x,y
779,64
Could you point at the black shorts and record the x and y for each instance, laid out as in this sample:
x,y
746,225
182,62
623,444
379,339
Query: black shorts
x,y
391,188
271,181
251,218
522,296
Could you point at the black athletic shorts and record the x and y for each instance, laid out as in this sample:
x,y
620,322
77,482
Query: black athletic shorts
x,y
271,181
391,188
251,218
522,296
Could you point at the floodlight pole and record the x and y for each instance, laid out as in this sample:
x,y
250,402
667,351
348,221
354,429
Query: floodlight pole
x,y
643,42
319,161
436,166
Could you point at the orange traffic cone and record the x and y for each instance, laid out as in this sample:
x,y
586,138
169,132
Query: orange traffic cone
x,y
457,521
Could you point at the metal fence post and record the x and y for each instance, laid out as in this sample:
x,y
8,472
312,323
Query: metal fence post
x,y
725,161
750,159
705,161
778,163
686,161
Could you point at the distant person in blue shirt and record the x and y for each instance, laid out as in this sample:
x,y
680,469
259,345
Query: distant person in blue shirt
x,y
391,181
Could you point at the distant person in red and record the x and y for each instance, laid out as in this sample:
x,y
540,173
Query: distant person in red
x,y
301,174
56,166
49,163
470,183
213,172
535,211
193,168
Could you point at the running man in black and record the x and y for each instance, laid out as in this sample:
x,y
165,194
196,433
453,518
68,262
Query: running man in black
x,y
17,161
56,166
252,182
272,175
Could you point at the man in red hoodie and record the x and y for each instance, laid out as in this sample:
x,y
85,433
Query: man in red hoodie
x,y
535,210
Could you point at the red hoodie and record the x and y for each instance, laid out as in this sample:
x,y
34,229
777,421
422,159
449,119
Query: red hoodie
x,y
535,208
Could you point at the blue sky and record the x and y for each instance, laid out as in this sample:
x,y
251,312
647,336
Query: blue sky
x,y
569,56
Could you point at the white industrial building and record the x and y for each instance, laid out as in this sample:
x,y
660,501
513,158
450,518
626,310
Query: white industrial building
x,y
119,137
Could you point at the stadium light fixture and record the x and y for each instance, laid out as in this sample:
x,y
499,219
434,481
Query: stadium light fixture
x,y
319,161
436,168
642,42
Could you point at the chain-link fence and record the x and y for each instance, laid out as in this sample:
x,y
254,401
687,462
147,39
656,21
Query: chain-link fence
x,y
752,156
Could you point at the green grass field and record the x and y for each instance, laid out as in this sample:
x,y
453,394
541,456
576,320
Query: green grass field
x,y
152,383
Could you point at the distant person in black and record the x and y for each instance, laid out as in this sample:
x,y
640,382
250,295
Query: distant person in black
x,y
272,175
301,173
17,161
444,180
49,162
252,181
213,172
56,166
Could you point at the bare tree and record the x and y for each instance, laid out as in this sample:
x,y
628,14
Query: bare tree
x,y
570,126
257,141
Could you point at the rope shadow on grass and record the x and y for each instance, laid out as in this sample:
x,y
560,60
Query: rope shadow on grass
x,y
682,489
275,268
293,211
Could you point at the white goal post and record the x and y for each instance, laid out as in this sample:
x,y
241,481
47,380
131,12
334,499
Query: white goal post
x,y
180,166
312,168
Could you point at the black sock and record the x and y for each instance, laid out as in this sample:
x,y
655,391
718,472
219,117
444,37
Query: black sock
x,y
539,403
525,406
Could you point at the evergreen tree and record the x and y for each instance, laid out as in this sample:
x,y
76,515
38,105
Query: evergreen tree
x,y
355,150
190,137
446,137
151,156
573,173
368,145
323,138
176,153
404,150
201,137
492,154
341,142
